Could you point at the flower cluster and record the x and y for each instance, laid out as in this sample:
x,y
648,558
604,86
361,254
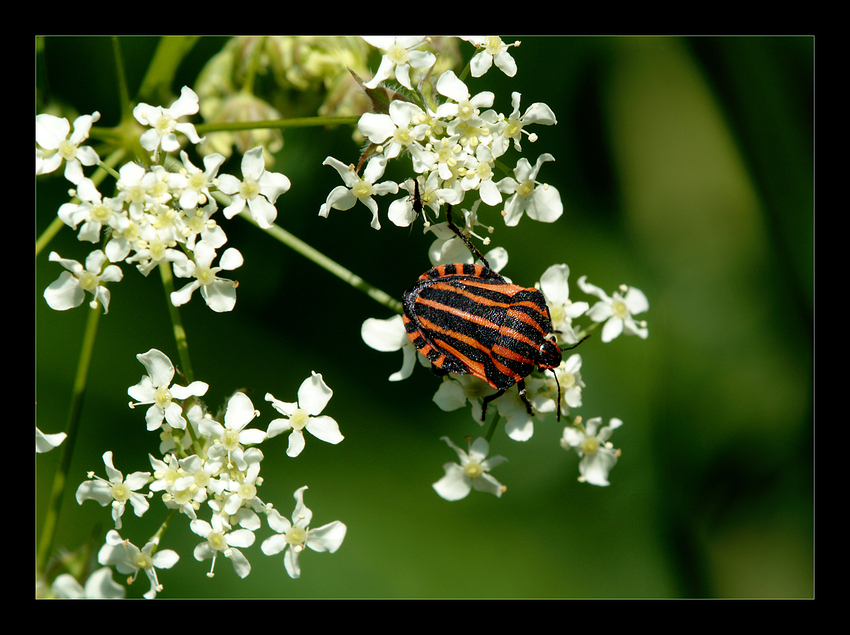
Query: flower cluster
x,y
455,142
212,465
156,216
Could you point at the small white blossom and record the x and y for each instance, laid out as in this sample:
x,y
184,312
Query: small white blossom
x,y
456,390
229,440
293,537
127,558
617,310
491,49
387,336
218,293
598,454
156,389
98,586
195,190
396,131
514,126
218,540
154,247
400,55
46,442
68,291
472,472
313,396
92,211
116,491
164,123
52,134
464,108
542,202
562,311
356,188
258,189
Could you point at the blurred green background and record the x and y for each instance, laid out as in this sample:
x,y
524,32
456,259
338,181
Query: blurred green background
x,y
686,170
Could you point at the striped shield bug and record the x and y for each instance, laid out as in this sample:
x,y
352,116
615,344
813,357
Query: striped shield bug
x,y
467,319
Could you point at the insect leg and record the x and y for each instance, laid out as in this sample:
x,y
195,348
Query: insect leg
x,y
463,236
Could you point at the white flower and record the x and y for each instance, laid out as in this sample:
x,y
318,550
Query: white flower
x,y
472,472
456,390
127,558
617,310
404,125
478,175
389,335
46,442
155,388
196,188
540,201
155,246
164,122
492,49
313,396
116,491
466,109
241,492
569,379
432,195
258,189
598,454
562,310
185,482
519,424
514,126
218,293
400,55
68,291
229,439
218,540
51,133
298,534
357,188
92,211
99,586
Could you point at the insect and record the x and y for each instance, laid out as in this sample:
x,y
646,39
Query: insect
x,y
467,319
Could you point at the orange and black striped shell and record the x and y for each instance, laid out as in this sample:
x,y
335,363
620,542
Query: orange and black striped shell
x,y
467,319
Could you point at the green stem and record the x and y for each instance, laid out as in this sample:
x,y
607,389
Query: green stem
x,y
296,122
326,263
177,323
48,534
182,344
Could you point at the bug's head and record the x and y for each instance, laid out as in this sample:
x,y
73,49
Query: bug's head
x,y
550,354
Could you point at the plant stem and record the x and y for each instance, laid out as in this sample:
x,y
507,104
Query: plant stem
x,y
177,324
296,122
326,263
48,534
